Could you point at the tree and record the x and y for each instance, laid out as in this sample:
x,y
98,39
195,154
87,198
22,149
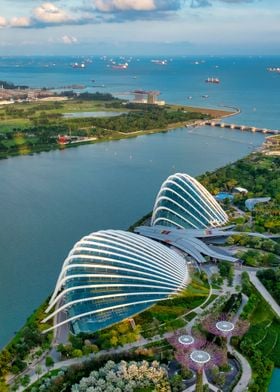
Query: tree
x,y
176,383
3,387
114,341
49,362
199,382
38,370
65,350
5,359
25,380
77,353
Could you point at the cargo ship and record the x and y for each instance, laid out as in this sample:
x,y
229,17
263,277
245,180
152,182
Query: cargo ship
x,y
160,62
274,69
212,80
120,66
78,65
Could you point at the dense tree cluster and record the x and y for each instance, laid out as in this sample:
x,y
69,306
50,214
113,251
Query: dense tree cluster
x,y
13,357
261,176
86,96
267,245
261,344
226,271
271,280
11,86
125,377
139,120
262,366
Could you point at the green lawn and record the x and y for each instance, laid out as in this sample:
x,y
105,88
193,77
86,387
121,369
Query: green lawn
x,y
9,124
211,299
167,312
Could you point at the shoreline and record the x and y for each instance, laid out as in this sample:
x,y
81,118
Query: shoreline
x,y
216,113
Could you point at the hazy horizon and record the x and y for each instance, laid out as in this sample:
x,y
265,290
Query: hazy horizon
x,y
141,27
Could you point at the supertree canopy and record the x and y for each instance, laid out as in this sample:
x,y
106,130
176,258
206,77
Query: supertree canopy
x,y
222,325
183,341
203,358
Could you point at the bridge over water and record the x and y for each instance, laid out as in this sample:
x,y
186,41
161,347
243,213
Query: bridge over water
x,y
247,128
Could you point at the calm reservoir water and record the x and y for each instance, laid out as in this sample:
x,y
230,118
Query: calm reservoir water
x,y
48,201
275,381
91,114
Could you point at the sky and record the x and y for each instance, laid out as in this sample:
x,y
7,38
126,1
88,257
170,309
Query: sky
x,y
143,27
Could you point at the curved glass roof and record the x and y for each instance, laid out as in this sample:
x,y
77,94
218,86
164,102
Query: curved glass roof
x,y
183,202
111,275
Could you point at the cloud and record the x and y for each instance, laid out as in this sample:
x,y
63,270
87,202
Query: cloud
x,y
49,13
3,22
200,3
209,3
124,5
106,11
21,21
136,5
130,10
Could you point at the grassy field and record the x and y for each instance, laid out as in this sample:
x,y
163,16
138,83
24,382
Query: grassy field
x,y
21,115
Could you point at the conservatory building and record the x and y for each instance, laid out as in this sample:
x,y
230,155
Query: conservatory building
x,y
184,203
112,275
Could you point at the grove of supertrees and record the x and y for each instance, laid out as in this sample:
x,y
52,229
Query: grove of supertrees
x,y
195,353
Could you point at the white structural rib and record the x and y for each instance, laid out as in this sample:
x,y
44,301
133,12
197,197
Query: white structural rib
x,y
131,244
183,202
71,303
106,268
92,312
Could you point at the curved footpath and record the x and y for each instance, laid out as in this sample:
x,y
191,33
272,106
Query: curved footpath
x,y
263,291
246,372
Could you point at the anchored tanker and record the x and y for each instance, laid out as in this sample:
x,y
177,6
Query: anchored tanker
x,y
212,80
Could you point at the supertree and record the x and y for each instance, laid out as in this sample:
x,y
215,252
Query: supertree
x,y
182,341
222,325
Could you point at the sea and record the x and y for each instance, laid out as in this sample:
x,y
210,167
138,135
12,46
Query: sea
x,y
48,201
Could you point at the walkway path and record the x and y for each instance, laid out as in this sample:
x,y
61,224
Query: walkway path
x,y
263,291
246,374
